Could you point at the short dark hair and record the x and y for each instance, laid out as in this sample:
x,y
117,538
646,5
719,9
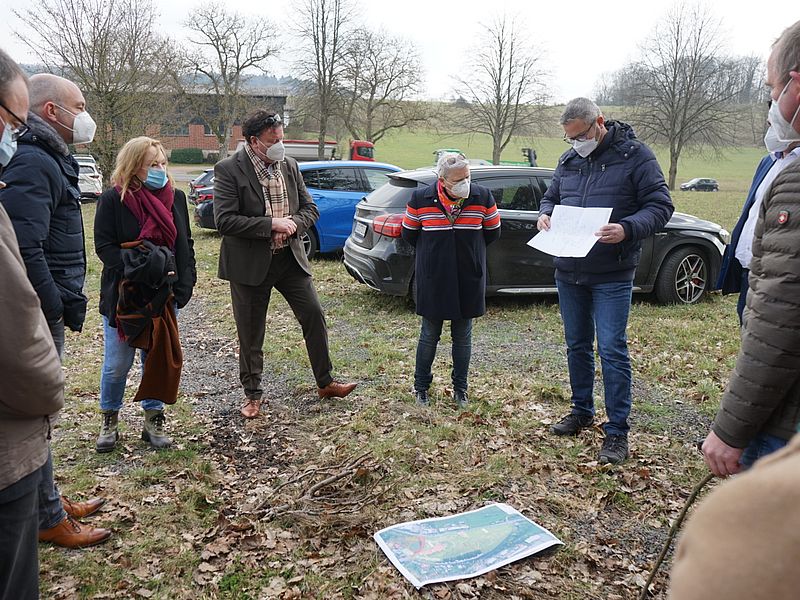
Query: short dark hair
x,y
257,122
9,72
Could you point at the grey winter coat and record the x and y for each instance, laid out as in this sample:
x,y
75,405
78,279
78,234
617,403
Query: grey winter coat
x,y
32,380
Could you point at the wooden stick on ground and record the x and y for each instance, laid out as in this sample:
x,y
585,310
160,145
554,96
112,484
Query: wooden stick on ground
x,y
673,530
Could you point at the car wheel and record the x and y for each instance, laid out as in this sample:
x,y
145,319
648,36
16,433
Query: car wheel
x,y
310,243
683,278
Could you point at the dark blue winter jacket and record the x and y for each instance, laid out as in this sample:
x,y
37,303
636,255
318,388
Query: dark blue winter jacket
x,y
42,199
622,173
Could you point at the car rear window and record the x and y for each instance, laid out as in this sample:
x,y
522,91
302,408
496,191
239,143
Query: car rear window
x,y
340,180
396,194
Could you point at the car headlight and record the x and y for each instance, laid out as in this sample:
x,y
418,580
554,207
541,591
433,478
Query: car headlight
x,y
725,235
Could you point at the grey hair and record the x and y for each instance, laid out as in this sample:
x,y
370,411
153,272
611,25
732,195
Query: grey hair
x,y
787,52
46,87
449,161
9,72
580,108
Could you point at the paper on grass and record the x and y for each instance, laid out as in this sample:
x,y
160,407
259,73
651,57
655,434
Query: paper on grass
x,y
463,545
572,231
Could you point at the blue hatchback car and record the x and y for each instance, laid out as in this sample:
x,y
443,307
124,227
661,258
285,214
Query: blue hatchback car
x,y
336,187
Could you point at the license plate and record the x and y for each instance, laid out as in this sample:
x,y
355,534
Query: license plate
x,y
360,229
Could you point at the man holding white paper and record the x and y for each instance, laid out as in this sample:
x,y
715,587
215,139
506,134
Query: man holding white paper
x,y
607,167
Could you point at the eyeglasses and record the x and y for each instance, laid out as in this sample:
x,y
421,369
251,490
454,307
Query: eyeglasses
x,y
580,137
20,130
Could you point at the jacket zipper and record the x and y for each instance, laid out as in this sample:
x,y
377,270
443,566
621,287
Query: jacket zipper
x,y
577,271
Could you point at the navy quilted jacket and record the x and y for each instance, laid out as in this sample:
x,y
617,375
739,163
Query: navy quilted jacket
x,y
622,173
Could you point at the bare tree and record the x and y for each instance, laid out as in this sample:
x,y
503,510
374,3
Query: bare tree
x,y
505,90
227,48
381,77
112,51
685,88
323,28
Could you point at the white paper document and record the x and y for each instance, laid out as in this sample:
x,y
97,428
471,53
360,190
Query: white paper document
x,y
572,231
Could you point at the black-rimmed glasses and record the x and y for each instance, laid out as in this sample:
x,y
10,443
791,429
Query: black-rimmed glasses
x,y
19,130
581,137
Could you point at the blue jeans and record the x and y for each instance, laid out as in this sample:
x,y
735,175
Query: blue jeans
x,y
601,308
431,331
761,445
51,510
117,361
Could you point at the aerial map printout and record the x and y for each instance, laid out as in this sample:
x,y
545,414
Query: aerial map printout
x,y
462,546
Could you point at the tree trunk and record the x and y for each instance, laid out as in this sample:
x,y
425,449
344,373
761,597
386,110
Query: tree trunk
x,y
323,129
673,169
496,151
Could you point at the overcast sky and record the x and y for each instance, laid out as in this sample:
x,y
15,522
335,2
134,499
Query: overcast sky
x,y
580,40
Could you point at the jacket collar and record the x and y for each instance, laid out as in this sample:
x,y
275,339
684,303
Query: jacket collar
x,y
42,132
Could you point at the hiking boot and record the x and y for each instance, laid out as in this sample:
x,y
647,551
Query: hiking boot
x,y
615,449
461,399
572,424
109,434
422,397
153,431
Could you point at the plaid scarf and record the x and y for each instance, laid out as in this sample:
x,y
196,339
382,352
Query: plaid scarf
x,y
276,197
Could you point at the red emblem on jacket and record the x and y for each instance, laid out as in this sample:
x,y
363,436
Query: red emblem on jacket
x,y
783,216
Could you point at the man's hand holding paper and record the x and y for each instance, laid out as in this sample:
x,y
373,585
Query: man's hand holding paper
x,y
573,231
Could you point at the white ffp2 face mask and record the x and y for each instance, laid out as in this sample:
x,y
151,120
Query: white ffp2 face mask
x,y
276,152
772,142
461,189
83,127
584,148
783,129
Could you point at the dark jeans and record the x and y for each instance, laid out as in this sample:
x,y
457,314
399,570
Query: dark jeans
x,y
745,286
19,539
761,445
601,308
51,511
429,335
250,313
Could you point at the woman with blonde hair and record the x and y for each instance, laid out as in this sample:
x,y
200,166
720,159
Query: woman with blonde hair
x,y
140,220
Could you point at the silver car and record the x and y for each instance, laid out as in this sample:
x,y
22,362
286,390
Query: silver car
x,y
90,181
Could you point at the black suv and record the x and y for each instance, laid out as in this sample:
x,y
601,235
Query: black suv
x,y
700,184
679,263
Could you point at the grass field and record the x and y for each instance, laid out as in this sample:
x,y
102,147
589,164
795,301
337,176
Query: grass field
x,y
226,513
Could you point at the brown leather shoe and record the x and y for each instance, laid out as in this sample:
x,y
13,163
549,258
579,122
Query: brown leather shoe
x,y
71,534
79,510
251,408
336,389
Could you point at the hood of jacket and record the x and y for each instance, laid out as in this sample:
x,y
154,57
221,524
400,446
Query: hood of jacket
x,y
41,132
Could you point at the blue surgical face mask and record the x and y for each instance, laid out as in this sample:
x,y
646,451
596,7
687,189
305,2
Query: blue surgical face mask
x,y
156,178
8,145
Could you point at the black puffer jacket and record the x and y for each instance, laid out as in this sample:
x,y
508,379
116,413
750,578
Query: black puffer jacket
x,y
42,199
763,394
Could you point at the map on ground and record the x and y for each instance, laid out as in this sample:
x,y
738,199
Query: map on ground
x,y
463,545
